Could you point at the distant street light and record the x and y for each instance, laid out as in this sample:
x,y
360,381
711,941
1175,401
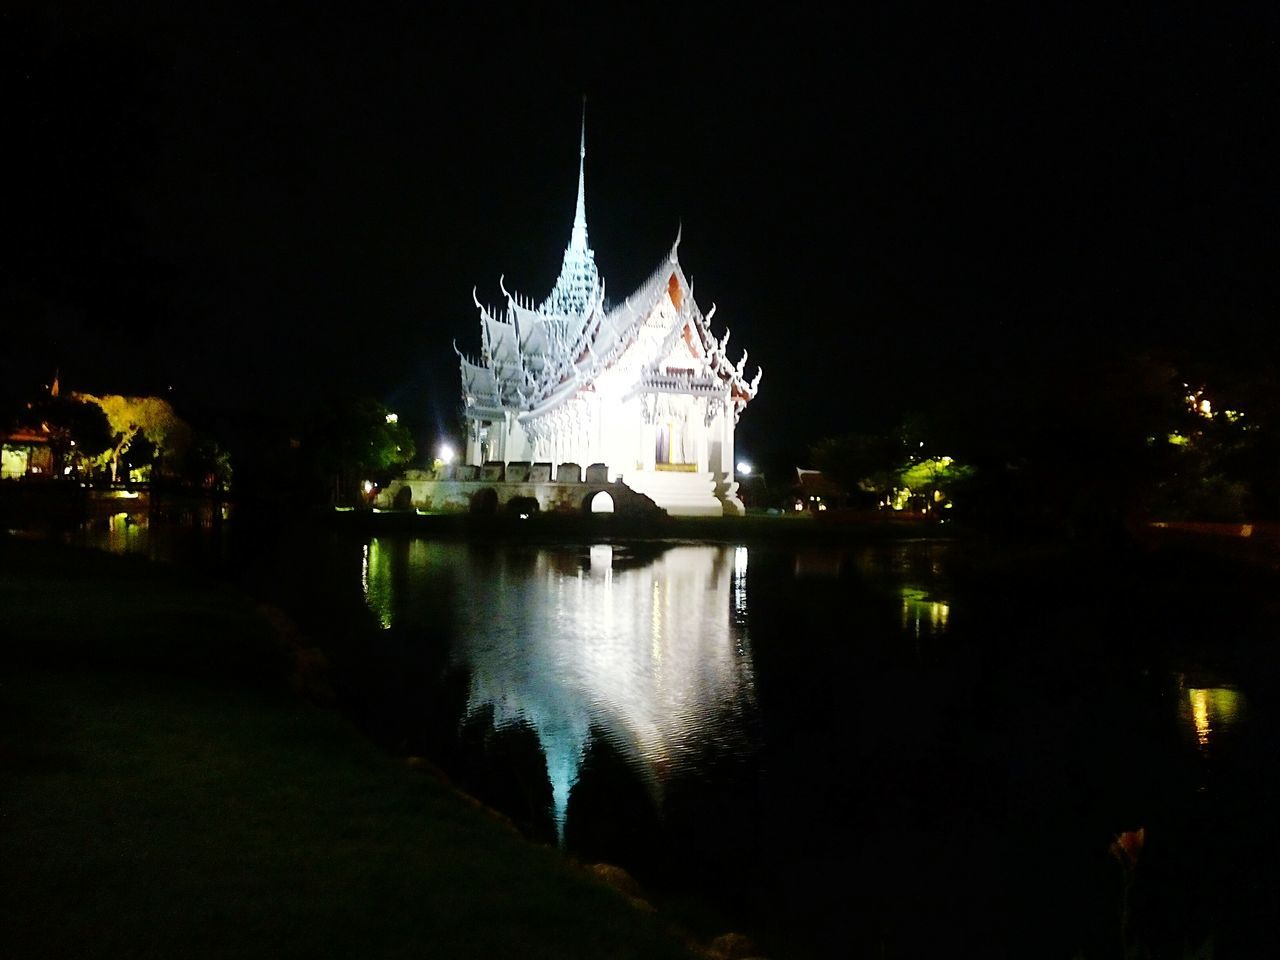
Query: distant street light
x,y
744,468
446,454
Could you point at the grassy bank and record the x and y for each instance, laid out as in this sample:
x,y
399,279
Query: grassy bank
x,y
163,792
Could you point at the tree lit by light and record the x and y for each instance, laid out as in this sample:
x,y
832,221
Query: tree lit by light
x,y
393,418
1199,404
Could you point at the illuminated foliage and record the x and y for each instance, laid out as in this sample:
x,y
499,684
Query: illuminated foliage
x,y
934,478
129,418
895,470
1203,477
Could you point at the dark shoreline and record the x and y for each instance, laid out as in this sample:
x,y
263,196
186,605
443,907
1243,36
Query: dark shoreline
x,y
552,527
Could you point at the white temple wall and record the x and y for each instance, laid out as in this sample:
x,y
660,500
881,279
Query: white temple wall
x,y
723,425
616,434
515,445
620,435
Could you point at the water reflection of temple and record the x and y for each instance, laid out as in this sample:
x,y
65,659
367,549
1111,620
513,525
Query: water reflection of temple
x,y
650,651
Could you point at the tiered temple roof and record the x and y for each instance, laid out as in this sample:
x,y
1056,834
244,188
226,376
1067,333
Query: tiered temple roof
x,y
534,358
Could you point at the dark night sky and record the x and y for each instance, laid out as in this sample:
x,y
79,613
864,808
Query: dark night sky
x,y
892,211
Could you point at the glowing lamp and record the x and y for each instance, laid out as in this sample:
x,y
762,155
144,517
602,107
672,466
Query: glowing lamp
x,y
744,468
446,453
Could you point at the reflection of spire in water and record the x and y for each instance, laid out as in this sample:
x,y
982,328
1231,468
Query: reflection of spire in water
x,y
647,653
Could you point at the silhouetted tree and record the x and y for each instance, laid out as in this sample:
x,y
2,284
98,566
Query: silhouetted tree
x,y
353,441
78,431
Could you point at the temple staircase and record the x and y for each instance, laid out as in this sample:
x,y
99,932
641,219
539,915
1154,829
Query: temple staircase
x,y
680,493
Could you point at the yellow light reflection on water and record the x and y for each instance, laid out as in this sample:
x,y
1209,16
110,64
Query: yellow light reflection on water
x,y
1212,710
376,581
1200,715
922,615
126,533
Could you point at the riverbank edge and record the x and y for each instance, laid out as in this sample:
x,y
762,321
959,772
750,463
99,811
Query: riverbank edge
x,y
59,593
552,527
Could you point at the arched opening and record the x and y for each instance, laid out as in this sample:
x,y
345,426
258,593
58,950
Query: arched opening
x,y
403,499
601,502
522,507
484,502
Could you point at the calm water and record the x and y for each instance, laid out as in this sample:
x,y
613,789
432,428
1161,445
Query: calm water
x,y
887,750
652,654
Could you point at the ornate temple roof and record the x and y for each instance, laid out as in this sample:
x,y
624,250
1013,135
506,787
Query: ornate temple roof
x,y
576,287
534,358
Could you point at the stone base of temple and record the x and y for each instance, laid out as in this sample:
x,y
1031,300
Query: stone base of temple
x,y
726,491
495,497
681,494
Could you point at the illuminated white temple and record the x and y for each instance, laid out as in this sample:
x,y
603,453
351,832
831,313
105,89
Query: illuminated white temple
x,y
642,386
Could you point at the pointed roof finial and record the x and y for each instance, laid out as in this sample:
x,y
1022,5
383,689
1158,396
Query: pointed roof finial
x,y
575,289
578,239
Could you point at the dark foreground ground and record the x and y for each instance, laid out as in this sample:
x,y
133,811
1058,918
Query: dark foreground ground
x,y
166,791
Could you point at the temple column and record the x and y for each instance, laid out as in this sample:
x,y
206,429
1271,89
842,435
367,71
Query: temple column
x,y
732,504
648,452
473,443
704,438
